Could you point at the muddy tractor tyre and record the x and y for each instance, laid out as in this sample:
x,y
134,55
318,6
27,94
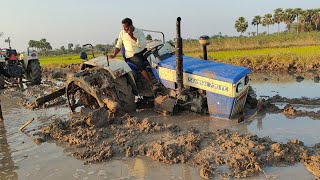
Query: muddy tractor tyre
x,y
2,82
34,72
125,95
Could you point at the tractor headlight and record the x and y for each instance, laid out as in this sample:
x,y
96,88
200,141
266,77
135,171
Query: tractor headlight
x,y
246,80
239,87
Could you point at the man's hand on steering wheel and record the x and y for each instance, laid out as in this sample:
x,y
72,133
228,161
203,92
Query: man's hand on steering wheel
x,y
153,50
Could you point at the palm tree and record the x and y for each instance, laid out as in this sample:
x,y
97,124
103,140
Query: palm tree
x,y
63,49
316,17
37,45
256,21
49,47
32,43
43,43
303,18
278,17
267,20
288,17
241,25
308,17
297,12
70,45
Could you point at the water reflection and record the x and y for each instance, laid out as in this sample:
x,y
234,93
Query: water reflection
x,y
7,167
286,86
316,79
281,129
260,120
144,168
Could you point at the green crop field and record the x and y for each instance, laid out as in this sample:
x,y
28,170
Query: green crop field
x,y
302,48
256,42
305,51
59,60
305,56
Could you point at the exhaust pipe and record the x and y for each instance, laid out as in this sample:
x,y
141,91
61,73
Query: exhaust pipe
x,y
179,57
204,41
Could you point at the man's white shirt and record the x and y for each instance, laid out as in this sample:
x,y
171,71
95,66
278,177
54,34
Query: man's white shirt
x,y
132,47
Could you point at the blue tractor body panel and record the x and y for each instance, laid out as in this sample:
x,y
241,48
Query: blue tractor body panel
x,y
219,80
215,70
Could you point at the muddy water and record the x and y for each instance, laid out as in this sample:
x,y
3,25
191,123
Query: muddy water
x,y
21,158
278,126
290,86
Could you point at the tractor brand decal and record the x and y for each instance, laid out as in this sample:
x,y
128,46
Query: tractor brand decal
x,y
208,84
204,83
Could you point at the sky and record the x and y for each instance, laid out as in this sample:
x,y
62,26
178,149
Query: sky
x,y
99,21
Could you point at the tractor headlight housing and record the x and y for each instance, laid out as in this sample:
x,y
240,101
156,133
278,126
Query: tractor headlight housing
x,y
239,87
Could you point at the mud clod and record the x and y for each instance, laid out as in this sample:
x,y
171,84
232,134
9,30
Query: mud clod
x,y
176,150
312,163
289,110
207,172
99,118
95,153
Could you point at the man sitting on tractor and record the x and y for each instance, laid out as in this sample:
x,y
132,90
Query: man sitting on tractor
x,y
134,43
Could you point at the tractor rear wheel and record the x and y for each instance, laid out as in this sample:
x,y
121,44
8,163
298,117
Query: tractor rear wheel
x,y
125,95
1,82
95,88
34,72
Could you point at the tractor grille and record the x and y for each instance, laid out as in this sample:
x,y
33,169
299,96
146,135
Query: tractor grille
x,y
239,103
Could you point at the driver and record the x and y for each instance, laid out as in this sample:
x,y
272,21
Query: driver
x,y
134,43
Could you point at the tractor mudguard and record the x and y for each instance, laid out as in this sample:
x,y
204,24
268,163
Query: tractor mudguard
x,y
115,67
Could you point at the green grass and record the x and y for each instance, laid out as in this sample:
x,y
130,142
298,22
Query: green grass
x,y
59,60
305,51
284,49
49,61
256,42
280,58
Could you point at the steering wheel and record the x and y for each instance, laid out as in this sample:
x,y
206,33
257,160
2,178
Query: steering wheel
x,y
153,50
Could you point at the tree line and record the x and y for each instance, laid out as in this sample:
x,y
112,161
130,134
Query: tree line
x,y
305,20
43,47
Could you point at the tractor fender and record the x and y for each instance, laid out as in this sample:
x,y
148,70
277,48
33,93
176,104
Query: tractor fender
x,y
2,58
115,67
27,58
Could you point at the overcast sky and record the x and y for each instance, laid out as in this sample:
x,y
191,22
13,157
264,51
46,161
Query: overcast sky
x,y
99,21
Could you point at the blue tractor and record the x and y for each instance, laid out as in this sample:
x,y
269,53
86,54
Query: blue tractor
x,y
199,85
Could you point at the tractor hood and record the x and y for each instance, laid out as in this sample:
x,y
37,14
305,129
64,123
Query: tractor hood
x,y
209,69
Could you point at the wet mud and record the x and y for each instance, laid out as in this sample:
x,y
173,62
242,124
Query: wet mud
x,y
271,66
60,72
269,105
244,154
98,135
